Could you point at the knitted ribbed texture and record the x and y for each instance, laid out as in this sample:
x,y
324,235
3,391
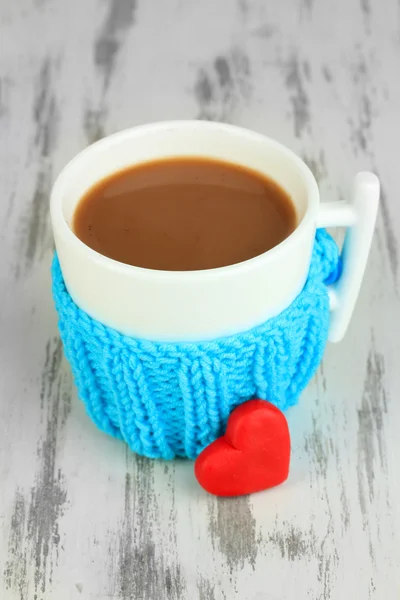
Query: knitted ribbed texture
x,y
169,400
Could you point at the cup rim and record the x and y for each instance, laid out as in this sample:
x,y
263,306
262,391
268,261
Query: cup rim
x,y
71,169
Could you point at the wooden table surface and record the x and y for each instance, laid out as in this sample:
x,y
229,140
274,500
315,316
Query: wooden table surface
x,y
82,517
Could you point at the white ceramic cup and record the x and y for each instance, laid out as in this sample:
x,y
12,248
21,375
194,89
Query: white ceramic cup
x,y
202,305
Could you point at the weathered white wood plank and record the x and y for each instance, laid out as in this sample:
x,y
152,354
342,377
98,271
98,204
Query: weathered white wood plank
x,y
80,517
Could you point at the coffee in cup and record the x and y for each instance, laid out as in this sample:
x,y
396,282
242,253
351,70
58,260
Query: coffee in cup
x,y
184,214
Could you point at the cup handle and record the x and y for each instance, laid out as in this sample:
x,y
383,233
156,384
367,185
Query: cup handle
x,y
359,217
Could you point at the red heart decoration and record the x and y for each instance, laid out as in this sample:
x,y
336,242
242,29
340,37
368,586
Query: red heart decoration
x,y
253,455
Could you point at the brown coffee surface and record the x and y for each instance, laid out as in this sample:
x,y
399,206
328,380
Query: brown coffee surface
x,y
184,214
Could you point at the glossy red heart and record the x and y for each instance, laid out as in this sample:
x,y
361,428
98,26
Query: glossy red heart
x,y
253,455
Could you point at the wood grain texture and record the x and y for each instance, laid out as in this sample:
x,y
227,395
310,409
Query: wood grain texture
x,y
80,517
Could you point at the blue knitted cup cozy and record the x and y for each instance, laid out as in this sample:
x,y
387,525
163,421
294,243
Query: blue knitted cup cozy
x,y
173,399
